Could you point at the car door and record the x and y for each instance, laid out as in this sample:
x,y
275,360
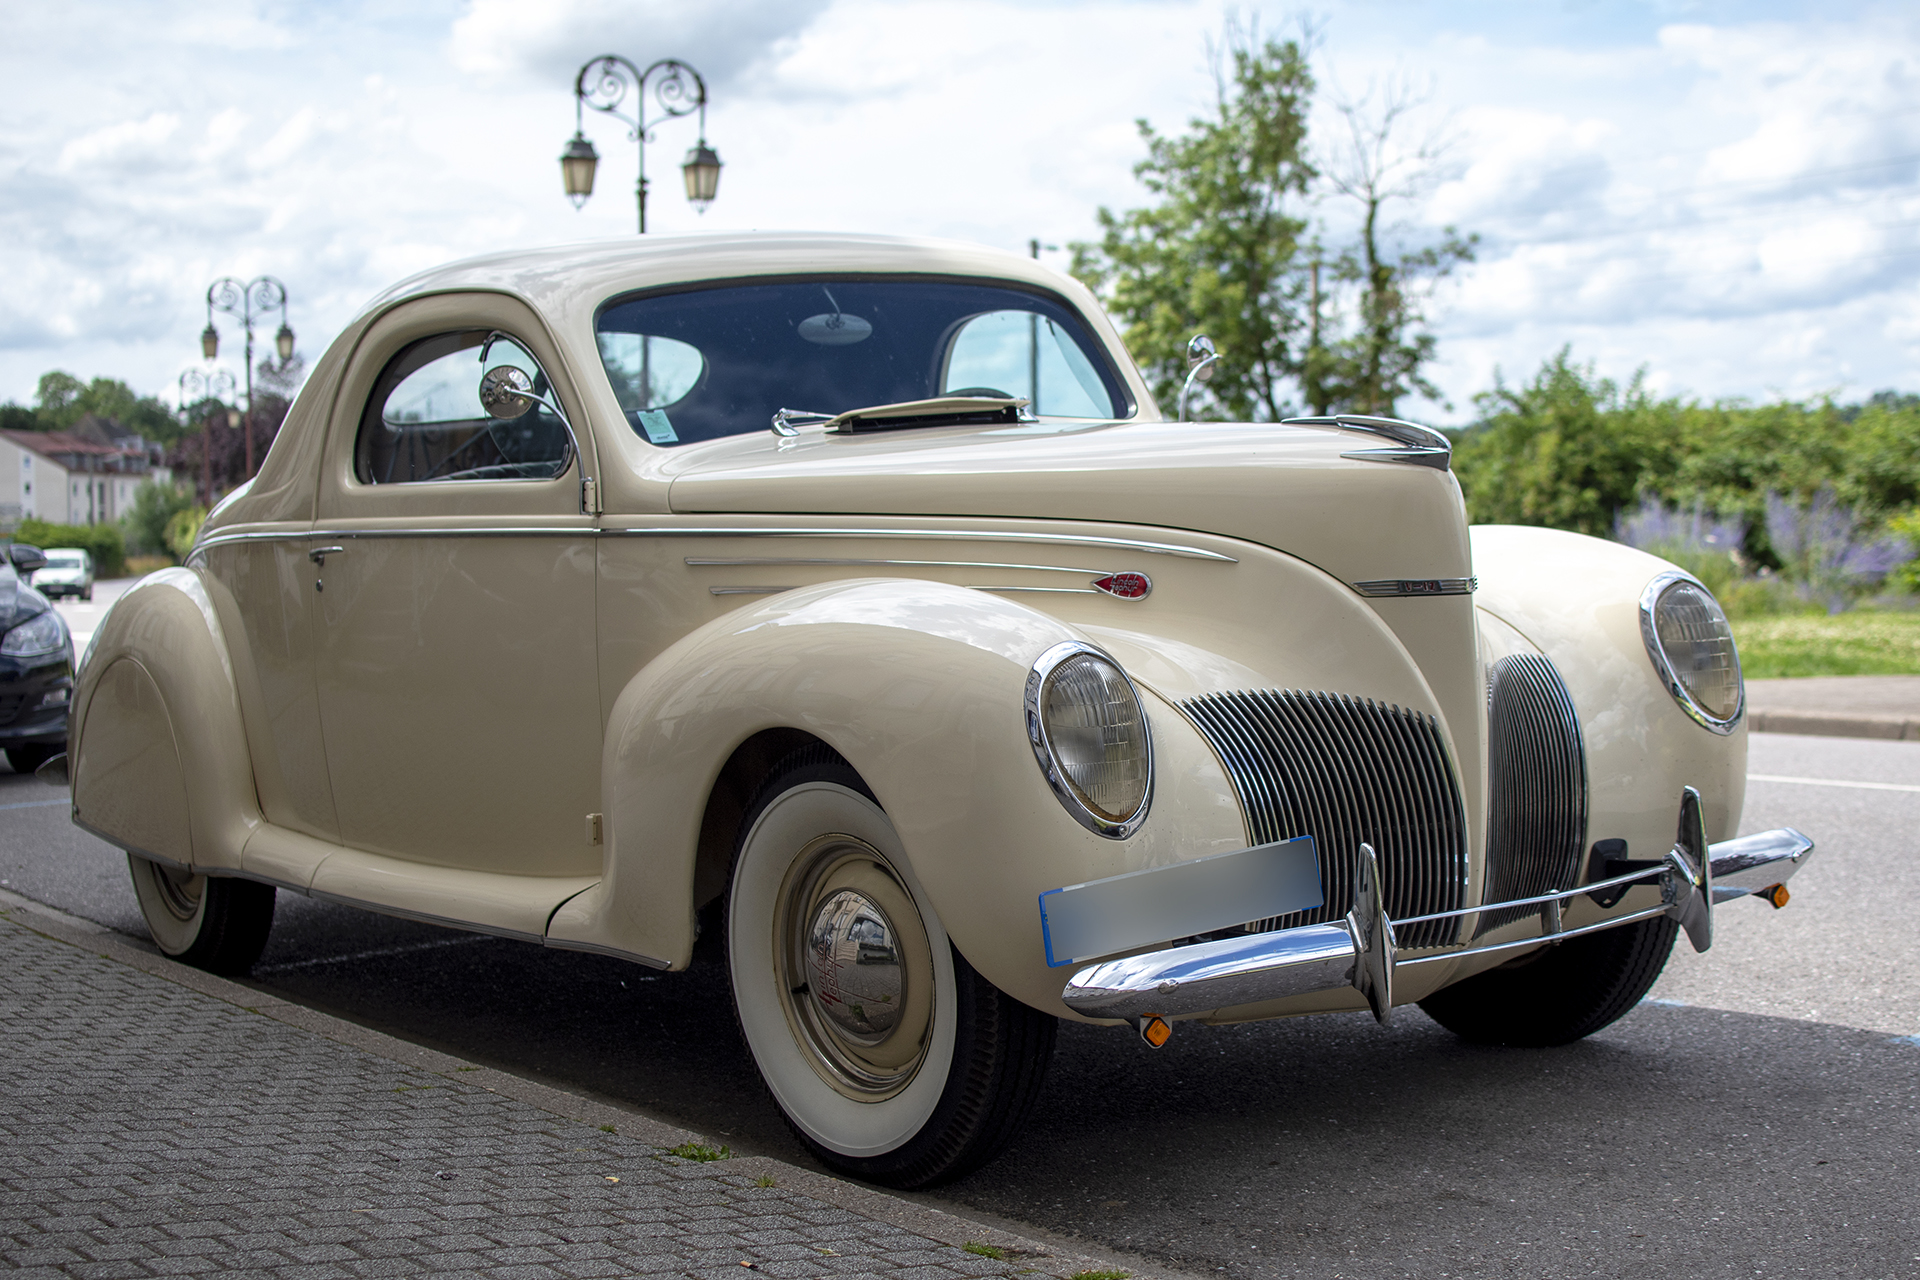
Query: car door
x,y
453,575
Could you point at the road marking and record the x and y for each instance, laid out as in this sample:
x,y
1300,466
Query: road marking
x,y
36,804
375,954
1831,782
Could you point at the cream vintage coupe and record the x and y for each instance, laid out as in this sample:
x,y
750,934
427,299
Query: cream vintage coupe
x,y
853,597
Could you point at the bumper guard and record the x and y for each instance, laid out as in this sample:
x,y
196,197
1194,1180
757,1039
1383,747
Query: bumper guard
x,y
1360,951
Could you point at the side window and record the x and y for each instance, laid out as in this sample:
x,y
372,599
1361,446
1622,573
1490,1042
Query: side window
x,y
1020,353
424,421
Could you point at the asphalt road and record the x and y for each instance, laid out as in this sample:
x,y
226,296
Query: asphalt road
x,y
1759,1115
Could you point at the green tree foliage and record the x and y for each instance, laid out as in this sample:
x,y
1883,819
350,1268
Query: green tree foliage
x,y
1572,450
1218,252
62,400
104,541
154,507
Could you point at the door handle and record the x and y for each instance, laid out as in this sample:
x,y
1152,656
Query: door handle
x,y
319,554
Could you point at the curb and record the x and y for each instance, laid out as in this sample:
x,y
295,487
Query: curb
x,y
1827,725
1061,1260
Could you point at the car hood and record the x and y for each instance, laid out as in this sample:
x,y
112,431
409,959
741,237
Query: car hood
x,y
1293,488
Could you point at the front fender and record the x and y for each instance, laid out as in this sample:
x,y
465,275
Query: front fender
x,y
1577,599
920,685
158,754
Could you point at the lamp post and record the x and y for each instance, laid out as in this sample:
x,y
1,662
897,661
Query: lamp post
x,y
603,84
251,301
208,384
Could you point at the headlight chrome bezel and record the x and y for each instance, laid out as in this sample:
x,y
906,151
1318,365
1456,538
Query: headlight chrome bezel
x,y
1039,736
1663,664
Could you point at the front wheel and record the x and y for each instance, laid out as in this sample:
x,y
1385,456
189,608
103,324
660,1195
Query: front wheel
x,y
1560,993
889,1056
211,922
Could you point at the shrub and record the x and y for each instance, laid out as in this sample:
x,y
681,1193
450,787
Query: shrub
x,y
1825,550
1706,547
103,541
154,505
182,528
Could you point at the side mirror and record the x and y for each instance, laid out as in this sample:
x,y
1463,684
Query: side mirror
x,y
1201,358
506,392
26,559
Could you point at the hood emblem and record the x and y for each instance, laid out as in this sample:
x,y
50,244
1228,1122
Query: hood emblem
x,y
1127,586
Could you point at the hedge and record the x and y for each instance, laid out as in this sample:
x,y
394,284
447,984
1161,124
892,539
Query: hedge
x,y
104,541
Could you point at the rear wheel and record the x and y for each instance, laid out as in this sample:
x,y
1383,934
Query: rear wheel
x,y
215,923
890,1057
1558,994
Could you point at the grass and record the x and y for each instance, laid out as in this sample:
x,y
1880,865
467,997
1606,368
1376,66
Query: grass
x,y
701,1151
1844,644
141,566
765,1180
985,1250
1101,1275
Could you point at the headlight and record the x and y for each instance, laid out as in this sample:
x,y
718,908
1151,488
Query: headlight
x,y
1090,735
42,633
1691,645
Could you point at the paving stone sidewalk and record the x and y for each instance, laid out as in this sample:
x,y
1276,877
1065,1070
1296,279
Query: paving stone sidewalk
x,y
150,1129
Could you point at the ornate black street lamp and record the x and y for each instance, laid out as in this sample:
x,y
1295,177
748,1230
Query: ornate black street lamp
x,y
250,301
204,385
603,84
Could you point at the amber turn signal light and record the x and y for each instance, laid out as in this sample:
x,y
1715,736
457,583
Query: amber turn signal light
x,y
1155,1030
1777,895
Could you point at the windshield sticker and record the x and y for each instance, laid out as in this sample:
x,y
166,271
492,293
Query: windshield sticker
x,y
659,430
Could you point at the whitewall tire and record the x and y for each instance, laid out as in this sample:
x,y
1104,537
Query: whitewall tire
x,y
214,923
889,1056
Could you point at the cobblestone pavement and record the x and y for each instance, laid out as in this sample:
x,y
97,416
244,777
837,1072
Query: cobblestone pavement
x,y
149,1129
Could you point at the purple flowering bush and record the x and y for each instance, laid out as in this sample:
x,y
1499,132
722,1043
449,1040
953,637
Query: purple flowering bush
x,y
1703,544
1826,551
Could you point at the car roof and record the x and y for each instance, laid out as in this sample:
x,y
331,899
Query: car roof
x,y
568,278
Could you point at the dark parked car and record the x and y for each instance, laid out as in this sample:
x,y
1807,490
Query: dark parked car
x,y
36,665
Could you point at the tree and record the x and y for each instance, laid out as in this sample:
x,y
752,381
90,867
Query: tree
x,y
1219,252
1370,369
62,400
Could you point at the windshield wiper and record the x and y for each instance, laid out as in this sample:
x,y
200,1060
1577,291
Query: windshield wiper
x,y
940,411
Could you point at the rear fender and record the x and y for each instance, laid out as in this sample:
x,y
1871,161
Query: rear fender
x,y
158,753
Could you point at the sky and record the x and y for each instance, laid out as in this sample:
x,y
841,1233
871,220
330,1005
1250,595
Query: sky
x,y
1725,196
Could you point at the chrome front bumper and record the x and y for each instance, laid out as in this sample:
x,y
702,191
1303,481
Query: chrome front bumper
x,y
1360,951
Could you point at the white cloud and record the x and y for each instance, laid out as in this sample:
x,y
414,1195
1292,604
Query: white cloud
x,y
117,144
509,39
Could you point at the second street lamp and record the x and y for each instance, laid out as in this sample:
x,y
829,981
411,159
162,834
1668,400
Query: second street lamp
x,y
251,301
678,90
205,385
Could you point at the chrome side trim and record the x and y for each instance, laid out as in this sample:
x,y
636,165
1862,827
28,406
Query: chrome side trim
x,y
753,591
1253,968
1657,654
1050,591
945,535
1391,587
600,949
709,531
765,561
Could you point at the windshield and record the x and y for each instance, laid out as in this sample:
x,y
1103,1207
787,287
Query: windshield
x,y
64,559
720,361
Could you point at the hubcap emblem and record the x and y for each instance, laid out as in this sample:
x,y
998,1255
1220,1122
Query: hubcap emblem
x,y
853,968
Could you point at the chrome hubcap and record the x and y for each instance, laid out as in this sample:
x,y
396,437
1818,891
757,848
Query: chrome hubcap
x,y
853,968
180,891
857,968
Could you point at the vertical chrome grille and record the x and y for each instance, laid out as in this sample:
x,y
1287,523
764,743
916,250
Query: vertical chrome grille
x,y
1346,770
1537,776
